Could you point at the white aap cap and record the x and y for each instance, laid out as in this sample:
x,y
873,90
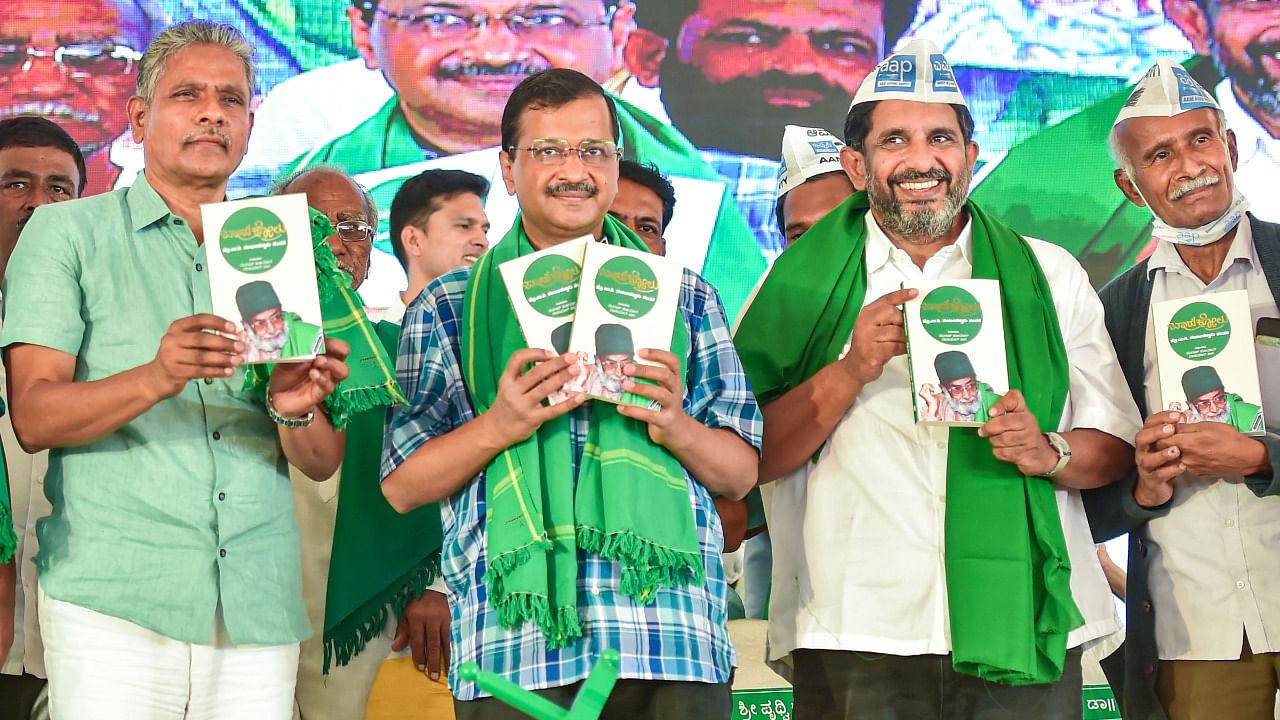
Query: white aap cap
x,y
917,72
806,152
1166,90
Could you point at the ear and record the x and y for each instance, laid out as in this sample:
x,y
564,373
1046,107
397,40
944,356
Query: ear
x,y
411,239
643,56
623,25
1128,188
1191,20
1231,148
971,155
854,166
137,109
360,37
508,173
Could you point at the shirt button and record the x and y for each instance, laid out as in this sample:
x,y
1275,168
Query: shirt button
x,y
178,221
222,496
1231,523
199,267
942,446
208,381
217,435
595,591
1240,584
222,553
1146,606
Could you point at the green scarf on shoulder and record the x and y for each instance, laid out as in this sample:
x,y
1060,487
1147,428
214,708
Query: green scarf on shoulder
x,y
629,503
1008,575
8,538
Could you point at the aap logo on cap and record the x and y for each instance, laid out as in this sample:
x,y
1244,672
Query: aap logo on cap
x,y
1190,94
896,74
824,146
944,78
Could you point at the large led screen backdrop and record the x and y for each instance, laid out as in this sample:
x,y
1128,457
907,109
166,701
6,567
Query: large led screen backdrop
x,y
386,88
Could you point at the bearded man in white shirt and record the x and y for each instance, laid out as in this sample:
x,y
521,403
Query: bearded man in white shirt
x,y
922,571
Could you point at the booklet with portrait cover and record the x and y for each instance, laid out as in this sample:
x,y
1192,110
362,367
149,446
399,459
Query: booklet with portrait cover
x,y
262,275
1205,360
543,287
628,302
956,352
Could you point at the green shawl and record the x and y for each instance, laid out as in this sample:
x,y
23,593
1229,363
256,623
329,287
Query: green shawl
x,y
372,379
537,514
1008,575
8,539
381,559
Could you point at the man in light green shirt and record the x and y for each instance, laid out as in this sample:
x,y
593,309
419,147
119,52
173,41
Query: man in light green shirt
x,y
169,566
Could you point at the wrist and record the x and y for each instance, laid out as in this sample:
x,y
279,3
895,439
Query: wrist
x,y
289,419
1257,459
494,435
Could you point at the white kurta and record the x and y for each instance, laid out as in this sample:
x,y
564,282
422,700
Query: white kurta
x,y
858,537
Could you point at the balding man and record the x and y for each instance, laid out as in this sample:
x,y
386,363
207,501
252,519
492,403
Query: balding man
x,y
358,580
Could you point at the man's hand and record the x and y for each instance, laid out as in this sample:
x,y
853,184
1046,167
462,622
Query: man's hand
x,y
1209,449
1158,462
297,388
878,336
733,520
518,410
667,421
1015,436
424,627
931,396
187,352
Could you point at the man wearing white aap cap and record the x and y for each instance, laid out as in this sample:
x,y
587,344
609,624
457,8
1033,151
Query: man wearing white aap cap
x,y
1204,618
810,164
904,554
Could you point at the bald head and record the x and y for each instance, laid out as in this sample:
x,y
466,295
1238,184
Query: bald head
x,y
332,192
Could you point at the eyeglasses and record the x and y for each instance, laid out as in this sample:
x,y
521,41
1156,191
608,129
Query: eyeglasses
x,y
1216,400
839,45
541,23
80,60
594,153
353,231
613,364
258,325
968,388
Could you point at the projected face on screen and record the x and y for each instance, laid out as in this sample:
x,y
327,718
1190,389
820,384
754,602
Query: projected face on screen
x,y
1243,39
775,62
66,61
454,64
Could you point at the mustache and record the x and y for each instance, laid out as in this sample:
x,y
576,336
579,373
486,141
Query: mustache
x,y
1194,184
779,79
53,110
586,186
915,175
453,70
210,131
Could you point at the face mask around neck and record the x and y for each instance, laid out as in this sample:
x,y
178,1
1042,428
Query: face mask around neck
x,y
1206,234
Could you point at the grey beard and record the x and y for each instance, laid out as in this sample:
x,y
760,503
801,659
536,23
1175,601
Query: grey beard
x,y
611,383
918,226
270,345
1221,417
968,409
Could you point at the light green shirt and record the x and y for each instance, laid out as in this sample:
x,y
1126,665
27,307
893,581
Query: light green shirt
x,y
189,505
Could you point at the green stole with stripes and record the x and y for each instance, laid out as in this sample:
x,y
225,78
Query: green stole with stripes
x,y
629,502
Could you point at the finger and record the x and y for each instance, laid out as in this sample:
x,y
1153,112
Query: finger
x,y
445,647
203,321
197,340
889,333
1164,474
662,395
433,652
536,375
1005,424
1149,435
663,376
546,413
205,359
335,369
898,297
1010,402
1166,417
336,349
662,357
1152,461
548,385
402,635
520,358
418,643
883,352
643,414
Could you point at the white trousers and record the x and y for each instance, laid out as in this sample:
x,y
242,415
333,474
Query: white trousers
x,y
105,668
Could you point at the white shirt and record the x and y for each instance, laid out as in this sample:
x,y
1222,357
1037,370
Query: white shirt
x,y
1214,560
1259,171
26,486
858,545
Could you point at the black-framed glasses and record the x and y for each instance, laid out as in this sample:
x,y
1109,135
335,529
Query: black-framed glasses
x,y
446,22
839,45
550,151
353,231
77,59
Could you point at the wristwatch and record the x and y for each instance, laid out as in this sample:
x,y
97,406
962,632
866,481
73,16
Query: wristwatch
x,y
1060,445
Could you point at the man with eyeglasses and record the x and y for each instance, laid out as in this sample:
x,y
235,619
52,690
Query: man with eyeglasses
x,y
452,66
959,396
270,333
1203,597
74,63
553,514
774,63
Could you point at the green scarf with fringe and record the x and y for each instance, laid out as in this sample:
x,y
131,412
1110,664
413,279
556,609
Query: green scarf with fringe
x,y
381,559
8,538
1007,572
372,379
629,503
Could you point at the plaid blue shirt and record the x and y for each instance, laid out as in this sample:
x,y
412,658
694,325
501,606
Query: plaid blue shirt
x,y
754,184
681,635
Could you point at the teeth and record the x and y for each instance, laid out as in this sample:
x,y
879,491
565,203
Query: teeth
x,y
48,109
920,185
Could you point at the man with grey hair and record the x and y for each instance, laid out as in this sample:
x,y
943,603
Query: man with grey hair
x,y
1202,590
169,579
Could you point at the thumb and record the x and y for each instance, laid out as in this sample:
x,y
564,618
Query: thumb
x,y
402,635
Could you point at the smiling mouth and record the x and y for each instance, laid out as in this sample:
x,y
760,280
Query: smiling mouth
x,y
918,185
470,259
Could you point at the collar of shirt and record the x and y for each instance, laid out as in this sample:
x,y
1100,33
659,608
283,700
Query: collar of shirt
x,y
880,250
1165,257
145,204
1251,138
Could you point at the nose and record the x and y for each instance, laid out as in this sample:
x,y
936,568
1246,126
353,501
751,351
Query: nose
x,y
795,55
338,247
41,78
496,43
37,196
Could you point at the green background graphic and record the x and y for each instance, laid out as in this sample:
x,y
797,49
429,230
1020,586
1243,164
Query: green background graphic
x,y
1199,331
253,240
626,287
